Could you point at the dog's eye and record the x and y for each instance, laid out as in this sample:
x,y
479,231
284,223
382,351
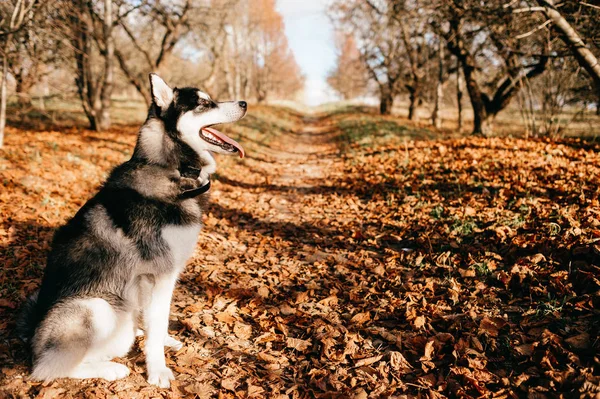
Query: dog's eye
x,y
203,102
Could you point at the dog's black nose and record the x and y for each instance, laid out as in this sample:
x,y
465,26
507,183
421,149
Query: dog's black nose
x,y
243,104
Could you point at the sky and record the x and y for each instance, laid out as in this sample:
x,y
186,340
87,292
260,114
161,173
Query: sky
x,y
310,36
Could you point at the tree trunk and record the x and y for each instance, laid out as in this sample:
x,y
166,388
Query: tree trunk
x,y
482,125
480,114
107,85
261,96
94,88
3,93
468,65
386,102
82,54
23,85
572,39
459,96
261,93
414,102
436,118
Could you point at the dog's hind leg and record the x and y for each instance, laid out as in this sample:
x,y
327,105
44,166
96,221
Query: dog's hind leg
x,y
78,337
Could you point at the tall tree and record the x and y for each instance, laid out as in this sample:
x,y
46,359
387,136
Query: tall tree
x,y
149,33
376,31
414,30
349,78
573,40
483,37
256,62
93,46
276,70
34,54
15,16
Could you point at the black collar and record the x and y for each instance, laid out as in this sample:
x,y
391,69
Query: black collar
x,y
192,173
195,192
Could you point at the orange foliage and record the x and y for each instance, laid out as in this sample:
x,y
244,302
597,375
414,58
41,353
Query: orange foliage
x,y
278,74
349,78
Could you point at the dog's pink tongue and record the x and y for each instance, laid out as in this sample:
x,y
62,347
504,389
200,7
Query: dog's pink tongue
x,y
226,139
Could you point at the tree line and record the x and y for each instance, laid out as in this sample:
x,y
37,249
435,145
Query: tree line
x,y
495,50
232,48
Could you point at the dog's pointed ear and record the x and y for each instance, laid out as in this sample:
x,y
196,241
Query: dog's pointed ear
x,y
162,94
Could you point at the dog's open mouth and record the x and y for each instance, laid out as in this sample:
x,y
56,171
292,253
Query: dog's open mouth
x,y
215,137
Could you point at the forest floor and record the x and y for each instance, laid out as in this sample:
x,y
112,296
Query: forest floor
x,y
348,256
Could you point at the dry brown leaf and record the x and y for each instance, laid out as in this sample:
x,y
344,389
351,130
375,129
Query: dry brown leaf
x,y
242,331
399,362
524,349
268,358
50,393
263,291
368,361
298,344
229,383
329,301
429,349
580,341
255,391
492,325
419,322
287,310
225,317
201,390
361,318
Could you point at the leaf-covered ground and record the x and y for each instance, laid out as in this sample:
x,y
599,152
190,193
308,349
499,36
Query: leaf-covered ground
x,y
348,256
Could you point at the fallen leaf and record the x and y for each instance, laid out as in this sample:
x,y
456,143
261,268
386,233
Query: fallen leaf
x,y
298,344
361,318
242,331
368,361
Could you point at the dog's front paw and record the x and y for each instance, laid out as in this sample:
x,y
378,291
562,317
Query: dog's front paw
x,y
112,371
173,343
161,377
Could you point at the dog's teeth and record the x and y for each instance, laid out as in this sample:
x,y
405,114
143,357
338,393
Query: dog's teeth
x,y
209,135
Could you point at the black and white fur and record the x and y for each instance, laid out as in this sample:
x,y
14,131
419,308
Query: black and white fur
x,y
120,256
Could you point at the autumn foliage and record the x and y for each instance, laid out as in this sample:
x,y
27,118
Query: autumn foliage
x,y
349,77
277,72
350,255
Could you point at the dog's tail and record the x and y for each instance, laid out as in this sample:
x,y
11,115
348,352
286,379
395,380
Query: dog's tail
x,y
27,319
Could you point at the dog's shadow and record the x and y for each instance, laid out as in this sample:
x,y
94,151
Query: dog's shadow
x,y
23,251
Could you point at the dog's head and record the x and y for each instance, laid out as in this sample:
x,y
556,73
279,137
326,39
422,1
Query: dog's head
x,y
190,114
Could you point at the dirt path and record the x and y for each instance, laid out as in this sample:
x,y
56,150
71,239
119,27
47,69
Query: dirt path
x,y
300,165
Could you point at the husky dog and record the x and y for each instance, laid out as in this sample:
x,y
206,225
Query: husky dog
x,y
120,256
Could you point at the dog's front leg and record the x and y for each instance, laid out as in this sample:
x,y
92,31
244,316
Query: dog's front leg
x,y
156,319
208,168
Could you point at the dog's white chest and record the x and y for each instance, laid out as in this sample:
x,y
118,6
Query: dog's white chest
x,y
182,241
